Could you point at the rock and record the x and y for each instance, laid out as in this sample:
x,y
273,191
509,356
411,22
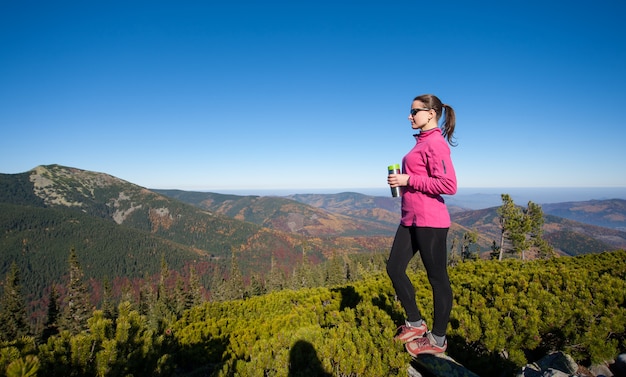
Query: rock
x,y
439,366
556,364
619,366
600,370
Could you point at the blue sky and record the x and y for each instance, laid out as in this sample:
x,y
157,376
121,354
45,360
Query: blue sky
x,y
209,95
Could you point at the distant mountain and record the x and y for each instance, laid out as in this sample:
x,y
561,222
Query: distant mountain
x,y
108,198
605,213
294,215
121,230
568,237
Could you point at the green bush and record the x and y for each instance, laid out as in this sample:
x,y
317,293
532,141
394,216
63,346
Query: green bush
x,y
505,315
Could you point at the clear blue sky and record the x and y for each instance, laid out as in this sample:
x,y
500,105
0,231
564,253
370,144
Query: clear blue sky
x,y
215,95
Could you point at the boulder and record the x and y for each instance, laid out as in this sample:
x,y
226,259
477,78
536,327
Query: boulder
x,y
557,364
619,366
440,365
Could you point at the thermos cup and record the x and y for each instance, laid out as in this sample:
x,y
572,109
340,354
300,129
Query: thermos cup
x,y
395,169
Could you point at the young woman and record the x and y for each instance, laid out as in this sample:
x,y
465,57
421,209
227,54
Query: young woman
x,y
427,173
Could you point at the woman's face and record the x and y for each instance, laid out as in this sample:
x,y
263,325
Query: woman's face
x,y
419,115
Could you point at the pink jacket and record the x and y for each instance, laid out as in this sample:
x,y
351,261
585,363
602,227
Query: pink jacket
x,y
432,174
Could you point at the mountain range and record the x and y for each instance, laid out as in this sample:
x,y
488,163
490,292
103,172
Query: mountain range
x,y
122,231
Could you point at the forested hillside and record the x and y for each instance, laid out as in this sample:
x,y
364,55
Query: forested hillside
x,y
289,215
505,315
146,259
122,231
364,210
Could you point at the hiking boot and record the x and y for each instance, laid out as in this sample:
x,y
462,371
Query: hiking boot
x,y
406,333
425,345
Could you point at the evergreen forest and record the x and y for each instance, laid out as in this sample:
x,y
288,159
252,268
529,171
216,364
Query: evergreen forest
x,y
334,319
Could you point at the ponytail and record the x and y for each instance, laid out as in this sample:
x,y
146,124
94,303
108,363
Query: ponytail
x,y
449,122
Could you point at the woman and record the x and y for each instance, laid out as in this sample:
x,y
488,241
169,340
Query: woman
x,y
427,173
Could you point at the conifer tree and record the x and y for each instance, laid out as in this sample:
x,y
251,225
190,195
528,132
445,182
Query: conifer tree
x,y
13,318
194,297
76,310
235,288
495,251
180,300
276,279
302,276
162,290
108,307
534,212
335,271
351,271
218,284
469,238
147,297
128,296
523,228
51,327
510,225
256,286
160,307
454,258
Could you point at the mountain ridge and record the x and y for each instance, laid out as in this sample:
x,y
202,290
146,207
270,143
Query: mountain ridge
x,y
44,209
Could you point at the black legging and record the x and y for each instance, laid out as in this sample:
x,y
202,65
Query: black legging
x,y
431,243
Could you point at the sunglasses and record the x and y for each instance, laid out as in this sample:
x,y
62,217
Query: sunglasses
x,y
417,110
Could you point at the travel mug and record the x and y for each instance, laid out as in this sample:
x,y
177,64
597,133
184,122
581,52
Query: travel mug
x,y
394,169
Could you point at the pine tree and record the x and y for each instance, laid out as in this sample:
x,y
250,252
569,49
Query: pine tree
x,y
506,213
108,307
181,296
495,251
469,238
276,278
511,226
160,308
194,297
51,326
536,219
147,297
523,228
256,286
335,271
218,285
235,288
454,258
163,295
13,318
76,310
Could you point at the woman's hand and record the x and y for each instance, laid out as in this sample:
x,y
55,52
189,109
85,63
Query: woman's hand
x,y
397,180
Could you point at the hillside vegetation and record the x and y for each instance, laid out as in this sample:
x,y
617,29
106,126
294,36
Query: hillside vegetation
x,y
122,231
505,315
189,284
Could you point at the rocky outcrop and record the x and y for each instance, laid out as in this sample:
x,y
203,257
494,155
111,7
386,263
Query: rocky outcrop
x,y
557,364
438,365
